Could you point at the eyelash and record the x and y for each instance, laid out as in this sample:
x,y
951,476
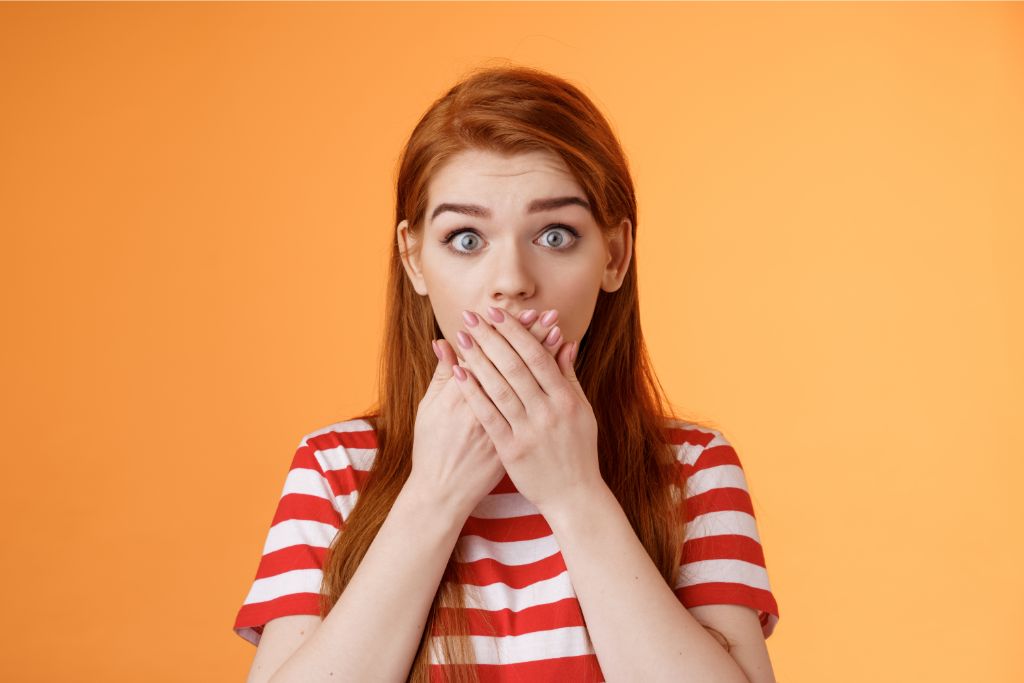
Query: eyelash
x,y
458,231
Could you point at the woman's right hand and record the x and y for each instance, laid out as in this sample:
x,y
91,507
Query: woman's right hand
x,y
453,458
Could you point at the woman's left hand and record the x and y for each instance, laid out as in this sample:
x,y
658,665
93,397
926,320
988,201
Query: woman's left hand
x,y
534,409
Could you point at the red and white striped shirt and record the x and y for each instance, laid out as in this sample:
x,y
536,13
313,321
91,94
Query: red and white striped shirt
x,y
517,573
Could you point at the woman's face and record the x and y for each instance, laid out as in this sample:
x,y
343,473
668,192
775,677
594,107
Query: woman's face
x,y
506,248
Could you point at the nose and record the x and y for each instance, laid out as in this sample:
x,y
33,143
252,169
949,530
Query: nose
x,y
512,277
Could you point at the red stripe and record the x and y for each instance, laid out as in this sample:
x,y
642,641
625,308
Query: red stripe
x,y
485,571
259,613
679,436
723,547
719,593
505,622
505,529
712,457
307,507
726,499
298,556
362,438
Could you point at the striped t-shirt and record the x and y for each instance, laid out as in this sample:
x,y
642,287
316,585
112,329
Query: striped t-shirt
x,y
517,573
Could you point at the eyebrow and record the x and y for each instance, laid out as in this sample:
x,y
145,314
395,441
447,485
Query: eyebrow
x,y
536,206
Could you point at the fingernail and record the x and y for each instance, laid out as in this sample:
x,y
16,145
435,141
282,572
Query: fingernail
x,y
549,317
470,318
553,336
575,348
460,374
528,316
496,315
464,340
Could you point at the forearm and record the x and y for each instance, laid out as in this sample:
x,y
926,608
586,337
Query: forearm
x,y
373,631
639,628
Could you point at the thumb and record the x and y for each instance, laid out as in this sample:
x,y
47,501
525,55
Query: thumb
x,y
445,360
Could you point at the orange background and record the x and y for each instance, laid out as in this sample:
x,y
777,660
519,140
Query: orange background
x,y
197,211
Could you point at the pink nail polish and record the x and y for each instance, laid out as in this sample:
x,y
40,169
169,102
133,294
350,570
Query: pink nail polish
x,y
549,317
464,340
553,336
496,315
470,318
528,316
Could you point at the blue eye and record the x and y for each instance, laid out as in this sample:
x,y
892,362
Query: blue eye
x,y
472,231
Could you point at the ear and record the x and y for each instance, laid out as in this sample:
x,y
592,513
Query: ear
x,y
409,250
619,246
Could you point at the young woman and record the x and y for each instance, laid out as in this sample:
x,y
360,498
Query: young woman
x,y
519,505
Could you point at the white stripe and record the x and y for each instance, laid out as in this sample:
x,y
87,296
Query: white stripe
x,y
504,506
688,453
571,641
728,571
719,476
291,532
285,583
512,553
501,596
340,457
309,482
722,522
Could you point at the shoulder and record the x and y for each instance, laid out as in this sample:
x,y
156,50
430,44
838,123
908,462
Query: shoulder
x,y
340,456
697,445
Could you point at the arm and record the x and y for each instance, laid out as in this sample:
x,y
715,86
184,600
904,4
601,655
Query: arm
x,y
740,629
639,629
373,631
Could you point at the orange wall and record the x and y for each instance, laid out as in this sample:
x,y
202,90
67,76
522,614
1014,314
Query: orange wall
x,y
196,204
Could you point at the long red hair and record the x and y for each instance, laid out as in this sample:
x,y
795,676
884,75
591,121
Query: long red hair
x,y
510,110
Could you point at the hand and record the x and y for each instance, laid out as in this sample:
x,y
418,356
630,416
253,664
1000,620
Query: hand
x,y
453,458
534,410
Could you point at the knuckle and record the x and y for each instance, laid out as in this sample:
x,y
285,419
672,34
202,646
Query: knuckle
x,y
516,370
565,402
504,394
492,418
535,356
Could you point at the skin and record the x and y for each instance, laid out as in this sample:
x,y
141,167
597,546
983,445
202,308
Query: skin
x,y
513,260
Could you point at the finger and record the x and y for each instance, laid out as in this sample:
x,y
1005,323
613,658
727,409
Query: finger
x,y
510,346
493,381
448,359
539,326
442,371
489,417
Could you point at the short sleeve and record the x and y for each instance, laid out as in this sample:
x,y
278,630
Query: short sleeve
x,y
722,560
319,486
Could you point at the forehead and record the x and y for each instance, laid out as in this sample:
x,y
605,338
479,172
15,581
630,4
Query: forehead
x,y
504,183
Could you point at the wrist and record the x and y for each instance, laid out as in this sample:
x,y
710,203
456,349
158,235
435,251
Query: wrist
x,y
576,503
428,501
